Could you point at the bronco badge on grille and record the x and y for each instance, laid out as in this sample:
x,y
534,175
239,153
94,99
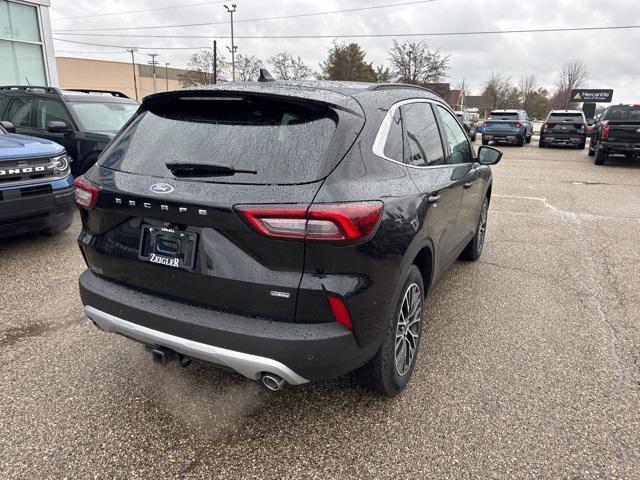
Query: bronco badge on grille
x,y
25,170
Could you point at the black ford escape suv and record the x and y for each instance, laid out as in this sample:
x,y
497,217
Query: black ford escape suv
x,y
287,231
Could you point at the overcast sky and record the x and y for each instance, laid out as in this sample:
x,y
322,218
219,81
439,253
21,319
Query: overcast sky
x,y
611,56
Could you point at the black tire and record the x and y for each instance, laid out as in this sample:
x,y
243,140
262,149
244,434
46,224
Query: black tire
x,y
581,146
601,157
541,143
529,138
592,151
473,250
473,137
521,141
485,142
382,375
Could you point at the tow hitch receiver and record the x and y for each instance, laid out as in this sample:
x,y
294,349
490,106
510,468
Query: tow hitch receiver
x,y
161,355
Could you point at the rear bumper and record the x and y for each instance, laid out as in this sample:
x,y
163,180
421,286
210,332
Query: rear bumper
x,y
23,210
564,138
251,346
502,136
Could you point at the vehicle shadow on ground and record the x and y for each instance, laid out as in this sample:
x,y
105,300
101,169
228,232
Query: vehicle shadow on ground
x,y
223,404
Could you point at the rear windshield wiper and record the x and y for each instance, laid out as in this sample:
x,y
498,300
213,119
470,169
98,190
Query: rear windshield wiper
x,y
204,170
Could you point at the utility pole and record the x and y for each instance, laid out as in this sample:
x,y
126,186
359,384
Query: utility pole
x,y
233,45
215,62
166,74
154,63
133,66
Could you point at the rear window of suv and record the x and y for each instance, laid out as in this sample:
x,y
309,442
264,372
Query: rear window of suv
x,y
503,116
565,117
281,142
623,112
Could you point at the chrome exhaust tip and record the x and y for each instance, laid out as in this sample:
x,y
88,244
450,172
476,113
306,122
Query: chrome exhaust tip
x,y
272,382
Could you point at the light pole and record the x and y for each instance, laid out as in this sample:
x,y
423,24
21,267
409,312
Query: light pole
x,y
133,66
215,62
154,63
233,45
166,74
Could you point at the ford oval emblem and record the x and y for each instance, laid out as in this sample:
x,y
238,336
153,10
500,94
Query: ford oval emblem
x,y
161,188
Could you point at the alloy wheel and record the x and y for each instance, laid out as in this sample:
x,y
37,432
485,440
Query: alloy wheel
x,y
482,227
408,329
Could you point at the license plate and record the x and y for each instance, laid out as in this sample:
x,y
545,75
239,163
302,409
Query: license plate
x,y
168,247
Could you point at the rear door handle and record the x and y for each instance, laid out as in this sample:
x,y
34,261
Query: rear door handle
x,y
434,198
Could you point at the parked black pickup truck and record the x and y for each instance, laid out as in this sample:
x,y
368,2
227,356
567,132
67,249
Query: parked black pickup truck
x,y
616,133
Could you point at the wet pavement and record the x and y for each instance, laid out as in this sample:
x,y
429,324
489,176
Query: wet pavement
x,y
529,365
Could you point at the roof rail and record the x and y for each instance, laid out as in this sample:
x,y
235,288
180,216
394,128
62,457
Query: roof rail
x,y
30,87
93,90
390,86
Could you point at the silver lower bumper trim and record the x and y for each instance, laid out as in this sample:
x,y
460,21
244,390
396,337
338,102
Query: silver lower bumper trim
x,y
251,366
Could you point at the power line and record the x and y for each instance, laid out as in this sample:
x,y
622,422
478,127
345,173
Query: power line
x,y
282,17
86,52
127,46
136,11
363,35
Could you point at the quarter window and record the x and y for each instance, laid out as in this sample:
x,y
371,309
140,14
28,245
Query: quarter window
x,y
393,148
456,138
423,146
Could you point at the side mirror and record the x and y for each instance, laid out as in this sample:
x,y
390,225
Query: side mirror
x,y
488,155
58,127
8,126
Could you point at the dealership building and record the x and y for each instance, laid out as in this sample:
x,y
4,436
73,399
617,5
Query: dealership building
x,y
26,44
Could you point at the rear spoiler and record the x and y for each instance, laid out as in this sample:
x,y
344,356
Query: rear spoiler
x,y
306,98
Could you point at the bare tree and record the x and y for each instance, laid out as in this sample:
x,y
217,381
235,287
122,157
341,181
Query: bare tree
x,y
415,63
247,67
501,91
528,90
287,67
200,69
573,75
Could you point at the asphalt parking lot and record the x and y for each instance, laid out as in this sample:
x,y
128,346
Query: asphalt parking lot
x,y
529,366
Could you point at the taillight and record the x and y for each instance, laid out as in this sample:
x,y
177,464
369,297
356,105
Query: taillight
x,y
86,194
545,126
518,125
337,222
340,312
604,133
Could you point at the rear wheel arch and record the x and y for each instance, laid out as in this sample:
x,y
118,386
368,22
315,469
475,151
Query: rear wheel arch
x,y
424,261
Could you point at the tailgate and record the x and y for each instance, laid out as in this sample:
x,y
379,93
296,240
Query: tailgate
x,y
190,245
496,126
625,132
